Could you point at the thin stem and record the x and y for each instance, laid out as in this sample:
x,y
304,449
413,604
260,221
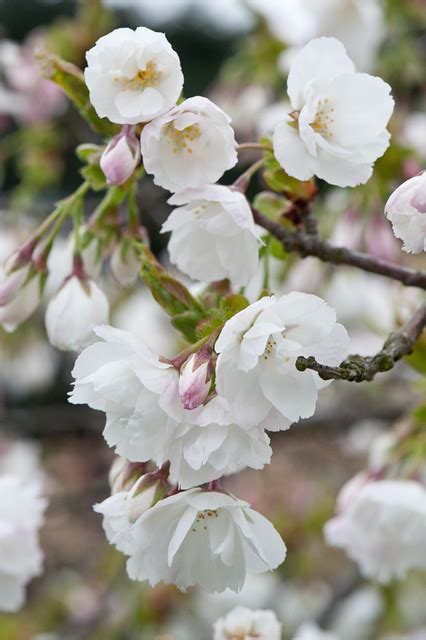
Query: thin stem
x,y
357,369
254,145
242,183
311,245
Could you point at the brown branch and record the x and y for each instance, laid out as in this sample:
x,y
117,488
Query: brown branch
x,y
356,368
309,244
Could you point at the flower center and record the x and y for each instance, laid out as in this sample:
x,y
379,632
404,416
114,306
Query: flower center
x,y
323,118
182,139
270,349
202,519
144,78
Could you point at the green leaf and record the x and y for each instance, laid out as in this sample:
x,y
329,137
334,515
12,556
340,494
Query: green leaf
x,y
94,175
71,80
170,294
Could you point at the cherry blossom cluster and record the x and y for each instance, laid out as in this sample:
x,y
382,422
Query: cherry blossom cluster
x,y
181,424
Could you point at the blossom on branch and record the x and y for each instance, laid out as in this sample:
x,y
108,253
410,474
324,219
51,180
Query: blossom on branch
x,y
246,624
133,75
337,128
383,528
213,235
190,146
197,537
258,349
406,209
145,418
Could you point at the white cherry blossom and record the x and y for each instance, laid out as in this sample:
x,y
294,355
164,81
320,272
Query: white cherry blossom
x,y
133,75
213,235
406,209
258,349
21,515
383,529
200,538
190,146
337,128
74,312
413,133
200,454
245,624
145,418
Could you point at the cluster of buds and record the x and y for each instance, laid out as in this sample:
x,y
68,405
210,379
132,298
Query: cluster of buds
x,y
144,488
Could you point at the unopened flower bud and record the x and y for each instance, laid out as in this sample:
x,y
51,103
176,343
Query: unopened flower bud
x,y
123,474
145,493
195,379
78,307
125,265
121,157
20,294
406,209
11,284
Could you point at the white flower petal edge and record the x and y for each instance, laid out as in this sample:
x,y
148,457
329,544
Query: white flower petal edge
x,y
338,128
242,622
133,75
258,348
213,235
406,209
145,419
190,146
201,538
21,515
383,529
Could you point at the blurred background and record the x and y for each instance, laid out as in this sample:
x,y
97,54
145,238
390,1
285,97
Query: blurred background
x,y
237,53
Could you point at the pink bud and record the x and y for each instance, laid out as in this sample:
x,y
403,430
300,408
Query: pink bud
x,y
418,200
121,157
194,380
11,284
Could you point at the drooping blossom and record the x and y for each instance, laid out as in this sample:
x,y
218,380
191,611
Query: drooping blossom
x,y
133,75
258,349
383,529
247,624
200,538
21,515
190,146
73,313
337,128
213,235
145,417
406,209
